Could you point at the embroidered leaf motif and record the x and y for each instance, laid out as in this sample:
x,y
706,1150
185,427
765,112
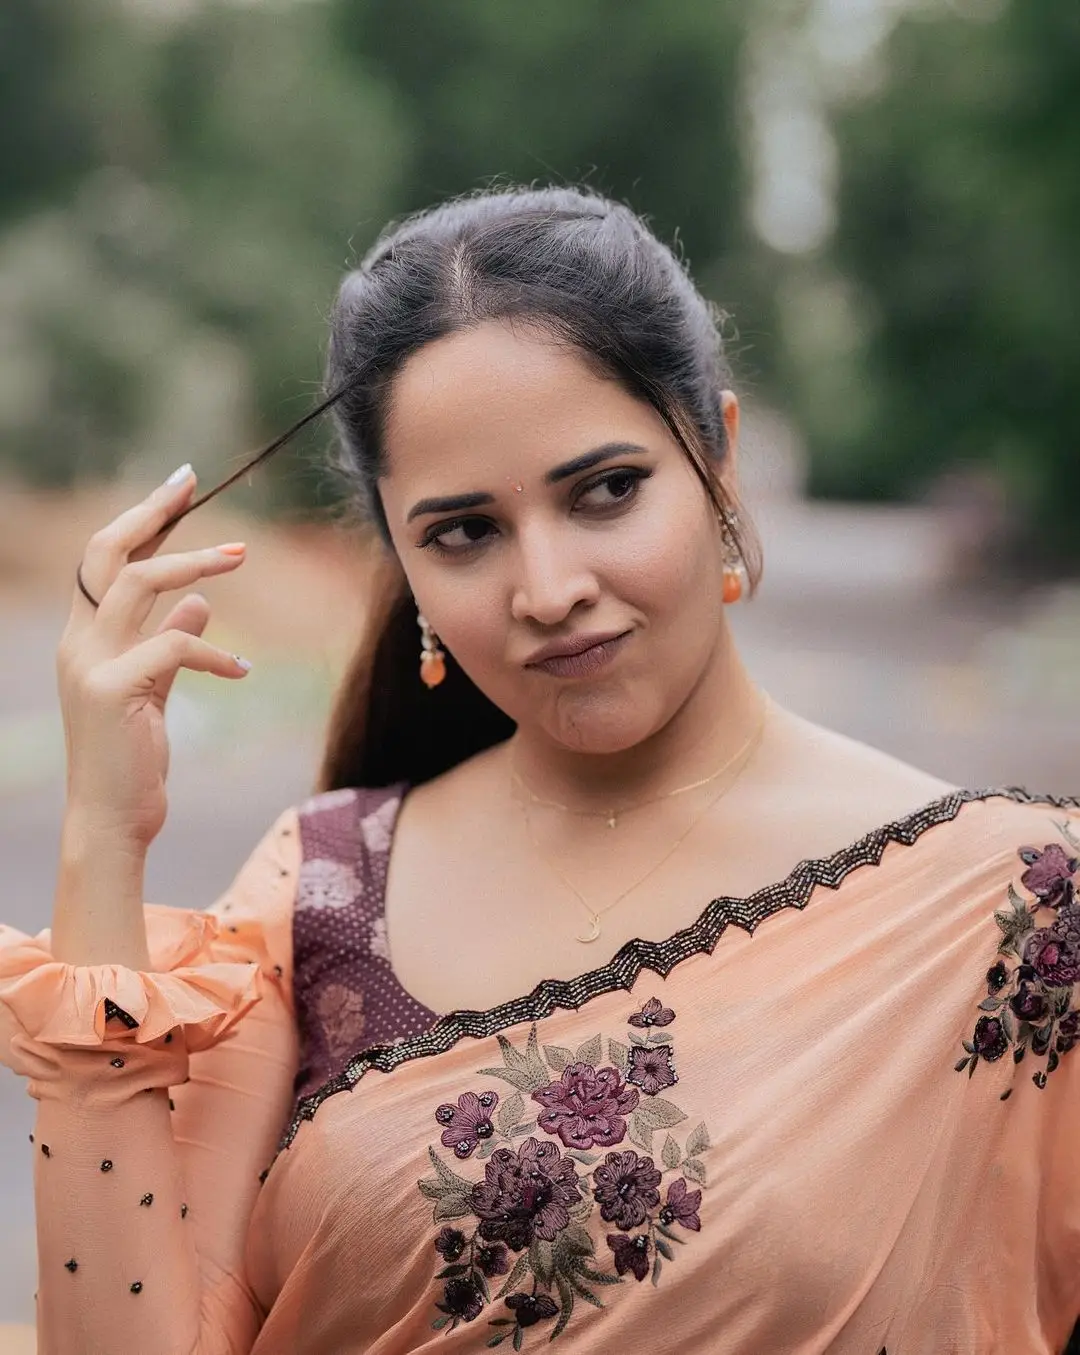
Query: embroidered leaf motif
x,y
451,1207
671,1153
660,1114
640,1134
697,1141
512,1057
512,1280
1067,833
510,1112
535,1063
541,1259
664,1250
587,1159
619,1054
695,1170
590,1052
656,1267
572,1241
446,1182
582,1292
557,1056
566,1300
520,1130
518,1077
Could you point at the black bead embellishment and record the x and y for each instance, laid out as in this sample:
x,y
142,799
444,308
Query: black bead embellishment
x,y
168,1037
115,1013
45,1150
106,1165
136,1288
183,1211
147,1199
118,1062
172,1104
71,1265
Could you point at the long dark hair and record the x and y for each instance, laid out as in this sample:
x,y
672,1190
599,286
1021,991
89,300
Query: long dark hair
x,y
583,268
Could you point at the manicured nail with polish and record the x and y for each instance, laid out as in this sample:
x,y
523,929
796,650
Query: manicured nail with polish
x,y
180,474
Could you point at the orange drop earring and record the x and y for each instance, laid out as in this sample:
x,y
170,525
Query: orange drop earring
x,y
732,587
432,658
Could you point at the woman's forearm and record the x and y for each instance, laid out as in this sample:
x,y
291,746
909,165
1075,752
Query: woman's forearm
x,y
98,908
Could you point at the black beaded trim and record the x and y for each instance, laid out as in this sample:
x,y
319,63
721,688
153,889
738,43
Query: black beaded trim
x,y
115,1013
660,957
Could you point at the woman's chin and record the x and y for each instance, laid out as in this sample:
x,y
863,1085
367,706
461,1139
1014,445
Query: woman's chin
x,y
598,724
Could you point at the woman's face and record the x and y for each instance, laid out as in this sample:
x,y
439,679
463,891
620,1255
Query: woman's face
x,y
537,507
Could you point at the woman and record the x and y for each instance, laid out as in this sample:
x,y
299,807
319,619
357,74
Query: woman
x,y
668,1019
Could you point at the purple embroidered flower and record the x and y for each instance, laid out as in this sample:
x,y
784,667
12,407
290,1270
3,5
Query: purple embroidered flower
x,y
990,1040
1028,1004
462,1298
493,1260
468,1123
997,976
1054,957
529,1309
625,1186
654,1013
682,1206
525,1194
1048,872
586,1106
450,1244
1068,1032
652,1068
631,1254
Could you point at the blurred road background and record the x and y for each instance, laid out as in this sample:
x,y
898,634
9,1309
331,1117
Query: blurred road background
x,y
881,192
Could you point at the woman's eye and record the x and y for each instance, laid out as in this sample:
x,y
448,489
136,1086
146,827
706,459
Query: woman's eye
x,y
615,487
455,537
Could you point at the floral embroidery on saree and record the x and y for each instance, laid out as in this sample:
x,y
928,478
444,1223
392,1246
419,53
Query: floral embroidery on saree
x,y
526,1222
1030,991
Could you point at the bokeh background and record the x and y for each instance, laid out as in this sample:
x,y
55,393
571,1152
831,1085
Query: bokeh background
x,y
882,194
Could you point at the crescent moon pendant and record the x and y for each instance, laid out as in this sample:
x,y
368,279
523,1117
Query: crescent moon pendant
x,y
594,930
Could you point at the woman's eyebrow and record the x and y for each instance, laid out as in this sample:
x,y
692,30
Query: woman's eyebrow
x,y
587,460
456,503
453,503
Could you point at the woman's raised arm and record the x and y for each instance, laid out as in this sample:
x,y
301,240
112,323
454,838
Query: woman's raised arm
x,y
143,1192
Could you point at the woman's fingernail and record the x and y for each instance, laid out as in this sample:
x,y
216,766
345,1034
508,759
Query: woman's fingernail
x,y
245,664
180,474
232,548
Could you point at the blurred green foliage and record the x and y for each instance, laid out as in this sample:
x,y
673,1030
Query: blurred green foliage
x,y
959,204
189,179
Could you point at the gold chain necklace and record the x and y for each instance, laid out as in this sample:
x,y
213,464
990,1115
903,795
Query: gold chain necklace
x,y
611,816
595,914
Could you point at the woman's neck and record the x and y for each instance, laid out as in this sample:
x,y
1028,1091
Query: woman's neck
x,y
715,722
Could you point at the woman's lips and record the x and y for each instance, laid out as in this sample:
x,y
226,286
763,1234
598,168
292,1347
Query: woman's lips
x,y
586,662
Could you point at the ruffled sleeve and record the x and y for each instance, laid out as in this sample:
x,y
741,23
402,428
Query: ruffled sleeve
x,y
161,1097
189,985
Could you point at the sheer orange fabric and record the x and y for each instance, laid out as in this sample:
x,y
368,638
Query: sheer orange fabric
x,y
811,1136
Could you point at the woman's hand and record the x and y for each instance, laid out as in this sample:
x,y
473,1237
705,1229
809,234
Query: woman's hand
x,y
114,680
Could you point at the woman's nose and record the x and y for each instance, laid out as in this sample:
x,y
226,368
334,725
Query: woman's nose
x,y
551,580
